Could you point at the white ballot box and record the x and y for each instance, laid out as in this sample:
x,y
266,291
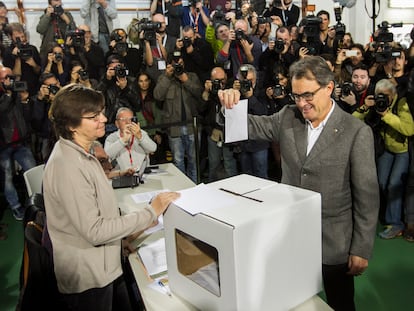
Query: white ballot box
x,y
260,250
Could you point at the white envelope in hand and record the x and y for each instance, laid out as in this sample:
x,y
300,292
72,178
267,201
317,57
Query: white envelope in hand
x,y
236,122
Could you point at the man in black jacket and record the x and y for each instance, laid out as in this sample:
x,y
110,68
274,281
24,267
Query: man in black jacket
x,y
14,114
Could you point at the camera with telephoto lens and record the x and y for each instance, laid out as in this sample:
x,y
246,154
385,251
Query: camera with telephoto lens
x,y
25,51
58,57
346,88
120,71
53,89
245,85
150,29
187,42
78,37
382,102
58,10
16,86
83,74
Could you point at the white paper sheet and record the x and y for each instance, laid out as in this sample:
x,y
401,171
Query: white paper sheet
x,y
154,257
236,122
202,198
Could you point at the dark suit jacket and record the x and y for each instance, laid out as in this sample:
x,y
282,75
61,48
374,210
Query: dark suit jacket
x,y
340,166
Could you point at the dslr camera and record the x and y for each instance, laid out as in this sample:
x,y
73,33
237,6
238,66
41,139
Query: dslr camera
x,y
245,85
53,89
83,74
25,51
178,68
241,35
150,28
340,28
279,46
58,57
16,86
216,86
187,42
346,88
382,102
220,17
78,37
58,10
120,71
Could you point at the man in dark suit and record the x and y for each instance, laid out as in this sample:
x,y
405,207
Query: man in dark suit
x,y
325,150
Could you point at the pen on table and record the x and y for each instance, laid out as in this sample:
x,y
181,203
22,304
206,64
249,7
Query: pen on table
x,y
166,290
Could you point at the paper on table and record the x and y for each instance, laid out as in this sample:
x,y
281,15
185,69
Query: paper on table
x,y
236,122
154,257
202,198
156,228
146,196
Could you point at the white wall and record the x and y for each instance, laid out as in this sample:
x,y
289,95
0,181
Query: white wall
x,y
356,18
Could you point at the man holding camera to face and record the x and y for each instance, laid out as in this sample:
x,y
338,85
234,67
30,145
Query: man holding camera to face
x,y
49,86
118,89
196,52
23,58
179,92
129,145
240,48
14,137
253,155
53,25
214,127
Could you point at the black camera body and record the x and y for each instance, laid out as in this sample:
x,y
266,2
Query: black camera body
x,y
240,35
53,89
25,51
347,88
134,120
58,10
382,102
150,28
187,42
279,46
120,71
219,17
311,28
16,86
78,37
340,30
263,20
178,69
83,74
383,43
278,90
245,86
216,86
58,57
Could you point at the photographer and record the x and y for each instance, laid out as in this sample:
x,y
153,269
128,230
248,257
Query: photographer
x,y
352,95
79,75
196,16
179,93
286,10
53,25
23,58
99,15
49,86
282,50
254,153
396,125
346,60
84,50
129,145
219,153
118,89
172,10
58,63
240,48
196,52
15,113
158,47
132,57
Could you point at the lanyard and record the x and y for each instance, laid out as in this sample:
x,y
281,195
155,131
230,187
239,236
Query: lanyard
x,y
128,148
193,22
164,40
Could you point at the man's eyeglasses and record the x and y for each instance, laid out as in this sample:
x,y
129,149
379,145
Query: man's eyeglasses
x,y
128,120
96,116
307,96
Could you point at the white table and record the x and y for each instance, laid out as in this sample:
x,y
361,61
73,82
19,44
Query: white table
x,y
173,180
